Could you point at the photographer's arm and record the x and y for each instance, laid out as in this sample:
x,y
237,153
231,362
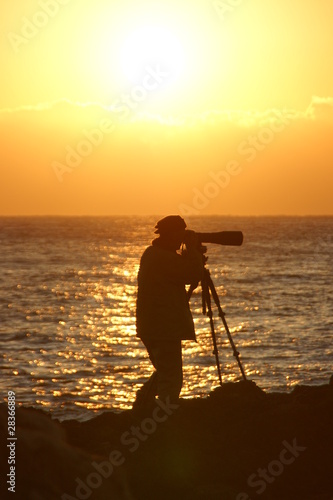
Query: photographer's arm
x,y
186,268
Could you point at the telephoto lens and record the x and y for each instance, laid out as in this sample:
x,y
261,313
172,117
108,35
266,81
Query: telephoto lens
x,y
232,238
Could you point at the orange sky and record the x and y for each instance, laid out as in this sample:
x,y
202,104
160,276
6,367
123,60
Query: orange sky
x,y
144,107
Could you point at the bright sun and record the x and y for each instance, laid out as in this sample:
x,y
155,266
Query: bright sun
x,y
121,56
154,47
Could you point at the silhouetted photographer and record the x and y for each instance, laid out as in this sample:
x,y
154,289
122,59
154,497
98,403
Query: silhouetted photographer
x,y
164,318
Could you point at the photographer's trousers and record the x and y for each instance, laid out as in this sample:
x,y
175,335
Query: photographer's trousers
x,y
166,381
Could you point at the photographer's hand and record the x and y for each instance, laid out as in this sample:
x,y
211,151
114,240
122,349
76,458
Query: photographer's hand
x,y
191,239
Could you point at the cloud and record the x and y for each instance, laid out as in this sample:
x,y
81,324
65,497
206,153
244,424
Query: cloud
x,y
58,105
320,108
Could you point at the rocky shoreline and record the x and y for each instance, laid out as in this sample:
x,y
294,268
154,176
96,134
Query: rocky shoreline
x,y
239,443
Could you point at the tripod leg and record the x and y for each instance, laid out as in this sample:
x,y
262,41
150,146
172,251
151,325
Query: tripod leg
x,y
208,305
212,288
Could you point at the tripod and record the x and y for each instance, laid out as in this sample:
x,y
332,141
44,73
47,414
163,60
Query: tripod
x,y
208,290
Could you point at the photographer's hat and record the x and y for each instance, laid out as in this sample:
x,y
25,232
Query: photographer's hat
x,y
170,224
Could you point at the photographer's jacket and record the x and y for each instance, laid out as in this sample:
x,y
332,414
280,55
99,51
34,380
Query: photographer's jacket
x,y
162,308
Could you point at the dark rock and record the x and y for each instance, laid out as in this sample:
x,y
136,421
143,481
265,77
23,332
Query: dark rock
x,y
238,443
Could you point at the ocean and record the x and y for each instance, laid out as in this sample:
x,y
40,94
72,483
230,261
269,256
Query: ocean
x,y
67,309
